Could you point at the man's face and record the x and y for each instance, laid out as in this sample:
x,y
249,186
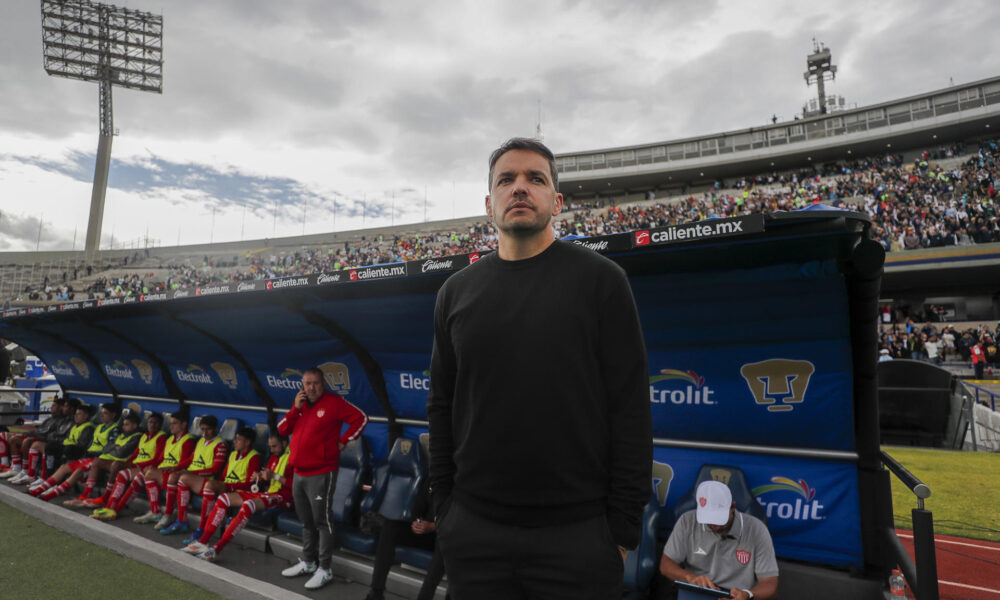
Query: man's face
x,y
63,409
313,386
723,529
106,416
153,425
207,431
80,416
275,446
522,198
177,426
241,444
129,426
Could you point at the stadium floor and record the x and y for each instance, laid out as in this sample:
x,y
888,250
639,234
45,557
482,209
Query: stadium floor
x,y
241,573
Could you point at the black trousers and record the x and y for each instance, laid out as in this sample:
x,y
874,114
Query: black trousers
x,y
398,533
487,560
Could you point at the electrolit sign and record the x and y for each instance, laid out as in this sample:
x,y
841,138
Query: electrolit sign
x,y
193,374
408,392
797,503
680,387
289,379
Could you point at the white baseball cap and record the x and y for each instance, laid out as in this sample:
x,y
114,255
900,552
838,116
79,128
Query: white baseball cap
x,y
714,500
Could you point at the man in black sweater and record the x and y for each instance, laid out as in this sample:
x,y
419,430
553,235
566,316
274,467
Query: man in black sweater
x,y
540,427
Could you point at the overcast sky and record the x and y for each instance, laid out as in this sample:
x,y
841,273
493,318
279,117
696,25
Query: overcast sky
x,y
364,113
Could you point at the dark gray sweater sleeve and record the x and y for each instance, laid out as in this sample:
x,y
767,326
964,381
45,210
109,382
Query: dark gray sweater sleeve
x,y
439,407
626,377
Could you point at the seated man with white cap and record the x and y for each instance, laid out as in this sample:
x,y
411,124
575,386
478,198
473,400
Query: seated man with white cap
x,y
715,546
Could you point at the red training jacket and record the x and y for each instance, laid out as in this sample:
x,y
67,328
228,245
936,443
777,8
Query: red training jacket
x,y
315,433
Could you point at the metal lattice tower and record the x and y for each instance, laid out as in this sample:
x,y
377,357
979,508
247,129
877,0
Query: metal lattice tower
x,y
108,45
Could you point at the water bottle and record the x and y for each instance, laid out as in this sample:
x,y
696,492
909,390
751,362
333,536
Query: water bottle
x,y
897,584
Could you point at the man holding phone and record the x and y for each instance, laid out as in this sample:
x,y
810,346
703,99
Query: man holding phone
x,y
314,424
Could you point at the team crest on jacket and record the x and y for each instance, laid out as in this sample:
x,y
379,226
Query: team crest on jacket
x,y
742,556
320,413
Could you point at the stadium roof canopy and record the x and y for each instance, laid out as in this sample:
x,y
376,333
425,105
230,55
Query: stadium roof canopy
x,y
958,112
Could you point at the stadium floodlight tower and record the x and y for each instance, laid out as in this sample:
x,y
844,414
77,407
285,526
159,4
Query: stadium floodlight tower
x,y
820,70
98,42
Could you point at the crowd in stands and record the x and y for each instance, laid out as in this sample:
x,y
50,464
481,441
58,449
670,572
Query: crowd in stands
x,y
912,205
938,342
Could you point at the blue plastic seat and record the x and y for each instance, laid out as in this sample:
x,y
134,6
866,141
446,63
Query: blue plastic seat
x,y
642,564
406,474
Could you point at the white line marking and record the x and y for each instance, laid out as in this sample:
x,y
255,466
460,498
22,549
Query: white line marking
x,y
971,587
940,541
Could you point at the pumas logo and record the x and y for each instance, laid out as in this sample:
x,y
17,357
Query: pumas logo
x,y
290,379
226,373
81,367
663,475
804,508
62,368
145,370
642,238
778,383
194,374
337,377
694,390
405,446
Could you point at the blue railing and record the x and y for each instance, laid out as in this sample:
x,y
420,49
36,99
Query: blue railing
x,y
989,398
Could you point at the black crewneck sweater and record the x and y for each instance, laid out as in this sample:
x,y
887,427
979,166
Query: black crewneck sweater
x,y
539,403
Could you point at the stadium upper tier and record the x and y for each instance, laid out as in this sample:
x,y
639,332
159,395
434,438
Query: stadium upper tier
x,y
931,199
959,112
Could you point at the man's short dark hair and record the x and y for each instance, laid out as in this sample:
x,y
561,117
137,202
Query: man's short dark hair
x,y
110,407
74,403
529,145
315,371
87,409
182,415
133,417
247,433
155,415
210,420
59,400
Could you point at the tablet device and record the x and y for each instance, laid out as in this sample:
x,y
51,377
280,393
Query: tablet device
x,y
689,591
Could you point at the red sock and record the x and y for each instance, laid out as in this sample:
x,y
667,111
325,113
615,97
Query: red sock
x,y
89,487
207,502
236,526
218,515
171,499
153,491
114,492
33,456
133,488
53,492
183,499
4,454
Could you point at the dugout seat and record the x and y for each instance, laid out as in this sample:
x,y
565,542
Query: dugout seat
x,y
732,477
194,427
228,429
406,474
354,467
263,431
642,564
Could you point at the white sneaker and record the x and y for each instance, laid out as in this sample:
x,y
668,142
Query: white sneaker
x,y
14,472
21,478
320,578
164,522
38,482
149,517
195,547
300,568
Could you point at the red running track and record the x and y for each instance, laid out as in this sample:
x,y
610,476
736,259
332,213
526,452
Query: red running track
x,y
967,569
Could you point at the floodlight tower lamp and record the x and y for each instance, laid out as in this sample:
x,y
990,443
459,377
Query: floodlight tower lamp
x,y
108,45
